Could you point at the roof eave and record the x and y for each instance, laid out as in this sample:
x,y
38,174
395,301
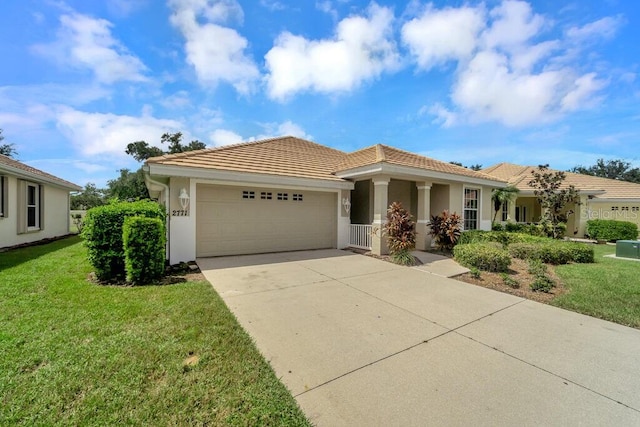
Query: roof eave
x,y
384,168
23,174
159,170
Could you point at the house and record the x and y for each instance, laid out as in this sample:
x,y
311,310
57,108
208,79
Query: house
x,y
34,205
287,193
600,198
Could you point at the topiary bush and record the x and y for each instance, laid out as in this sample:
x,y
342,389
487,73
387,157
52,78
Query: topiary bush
x,y
488,256
611,230
553,252
102,235
144,242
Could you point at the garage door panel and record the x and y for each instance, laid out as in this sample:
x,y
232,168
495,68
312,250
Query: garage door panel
x,y
227,224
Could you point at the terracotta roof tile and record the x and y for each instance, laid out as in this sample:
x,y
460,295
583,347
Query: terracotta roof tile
x,y
519,176
382,153
285,156
36,173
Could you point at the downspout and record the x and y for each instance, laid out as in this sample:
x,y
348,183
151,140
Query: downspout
x,y
147,177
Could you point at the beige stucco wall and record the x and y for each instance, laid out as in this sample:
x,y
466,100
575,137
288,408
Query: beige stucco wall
x,y
55,221
439,198
401,191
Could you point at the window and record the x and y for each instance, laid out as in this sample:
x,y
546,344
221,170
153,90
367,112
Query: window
x,y
33,207
471,208
505,211
283,196
248,194
3,197
625,208
614,208
297,197
521,214
265,196
635,209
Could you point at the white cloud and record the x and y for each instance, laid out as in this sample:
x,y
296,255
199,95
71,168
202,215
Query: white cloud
x,y
581,93
505,69
361,49
272,5
605,28
438,36
86,43
224,137
217,53
104,133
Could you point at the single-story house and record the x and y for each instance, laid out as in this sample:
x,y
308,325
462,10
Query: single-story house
x,y
34,205
600,198
287,193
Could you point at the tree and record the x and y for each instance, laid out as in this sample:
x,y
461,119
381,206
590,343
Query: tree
x,y
475,167
612,169
141,151
128,186
553,198
500,196
88,198
7,149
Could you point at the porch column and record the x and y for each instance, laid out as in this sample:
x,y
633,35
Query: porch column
x,y
380,205
423,239
582,216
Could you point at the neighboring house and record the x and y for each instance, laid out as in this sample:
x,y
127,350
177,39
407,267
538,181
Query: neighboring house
x,y
34,205
291,194
600,198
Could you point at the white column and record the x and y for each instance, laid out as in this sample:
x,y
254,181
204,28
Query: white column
x,y
423,239
380,205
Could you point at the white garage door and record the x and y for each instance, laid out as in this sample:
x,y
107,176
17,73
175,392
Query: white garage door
x,y
246,220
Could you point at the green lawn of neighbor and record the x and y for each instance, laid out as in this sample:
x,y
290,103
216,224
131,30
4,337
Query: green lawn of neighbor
x,y
77,353
608,289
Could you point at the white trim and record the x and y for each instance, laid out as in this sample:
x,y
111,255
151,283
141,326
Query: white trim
x,y
36,206
218,177
423,221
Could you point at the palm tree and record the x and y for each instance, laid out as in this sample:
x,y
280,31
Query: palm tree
x,y
500,196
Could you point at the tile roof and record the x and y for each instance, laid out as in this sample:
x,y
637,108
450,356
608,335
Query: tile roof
x,y
285,156
295,157
519,176
34,173
382,153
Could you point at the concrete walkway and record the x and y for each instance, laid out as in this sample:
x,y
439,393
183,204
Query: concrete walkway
x,y
359,341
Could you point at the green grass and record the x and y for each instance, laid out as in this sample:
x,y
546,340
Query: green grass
x,y
76,353
608,289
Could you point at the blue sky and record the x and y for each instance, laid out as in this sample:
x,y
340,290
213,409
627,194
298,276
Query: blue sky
x,y
547,81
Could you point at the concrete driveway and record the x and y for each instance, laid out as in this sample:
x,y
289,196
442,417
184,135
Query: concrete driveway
x,y
359,341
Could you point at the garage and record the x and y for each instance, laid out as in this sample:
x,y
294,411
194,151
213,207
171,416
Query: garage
x,y
236,220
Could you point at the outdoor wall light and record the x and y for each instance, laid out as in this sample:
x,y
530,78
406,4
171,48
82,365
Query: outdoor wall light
x,y
347,204
184,198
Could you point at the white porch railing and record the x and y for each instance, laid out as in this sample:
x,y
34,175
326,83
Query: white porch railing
x,y
360,236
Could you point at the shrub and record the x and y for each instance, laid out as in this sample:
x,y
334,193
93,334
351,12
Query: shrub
x,y
514,227
400,230
144,248
483,256
103,234
445,229
506,238
474,272
542,283
403,257
553,252
537,267
605,229
509,281
496,226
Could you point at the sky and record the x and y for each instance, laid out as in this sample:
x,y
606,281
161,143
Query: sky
x,y
528,82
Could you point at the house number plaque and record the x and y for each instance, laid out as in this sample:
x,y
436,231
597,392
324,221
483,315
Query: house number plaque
x,y
180,212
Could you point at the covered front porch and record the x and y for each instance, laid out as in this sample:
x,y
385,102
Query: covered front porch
x,y
371,198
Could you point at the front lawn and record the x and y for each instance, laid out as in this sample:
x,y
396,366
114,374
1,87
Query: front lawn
x,y
76,353
608,289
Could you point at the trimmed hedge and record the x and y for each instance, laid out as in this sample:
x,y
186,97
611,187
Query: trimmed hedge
x,y
554,252
102,234
144,242
611,230
488,256
504,237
